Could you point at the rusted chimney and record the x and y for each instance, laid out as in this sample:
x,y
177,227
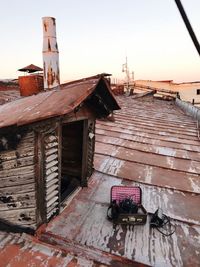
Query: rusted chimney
x,y
32,82
50,54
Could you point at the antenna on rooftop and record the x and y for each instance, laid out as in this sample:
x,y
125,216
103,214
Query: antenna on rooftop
x,y
128,86
126,70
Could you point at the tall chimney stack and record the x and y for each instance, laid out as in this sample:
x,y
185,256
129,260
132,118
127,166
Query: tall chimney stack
x,y
50,54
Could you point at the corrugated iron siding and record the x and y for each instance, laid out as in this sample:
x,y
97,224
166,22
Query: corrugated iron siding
x,y
17,186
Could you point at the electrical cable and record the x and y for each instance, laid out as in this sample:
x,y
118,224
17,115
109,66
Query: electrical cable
x,y
188,25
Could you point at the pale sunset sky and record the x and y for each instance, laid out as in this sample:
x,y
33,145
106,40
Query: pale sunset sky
x,y
95,36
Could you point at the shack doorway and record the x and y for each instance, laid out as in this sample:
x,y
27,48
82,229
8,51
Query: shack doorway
x,y
72,157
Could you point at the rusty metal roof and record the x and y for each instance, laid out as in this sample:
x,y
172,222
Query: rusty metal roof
x,y
154,145
24,250
51,103
9,91
9,96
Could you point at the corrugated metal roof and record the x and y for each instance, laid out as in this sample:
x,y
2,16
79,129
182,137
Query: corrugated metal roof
x,y
154,145
23,250
8,96
48,104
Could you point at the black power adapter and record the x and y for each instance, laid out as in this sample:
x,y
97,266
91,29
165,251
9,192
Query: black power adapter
x,y
160,220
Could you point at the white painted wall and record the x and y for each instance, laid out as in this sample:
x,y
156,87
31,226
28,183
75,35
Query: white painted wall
x,y
187,91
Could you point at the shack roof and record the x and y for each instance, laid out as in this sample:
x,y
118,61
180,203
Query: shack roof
x,y
57,102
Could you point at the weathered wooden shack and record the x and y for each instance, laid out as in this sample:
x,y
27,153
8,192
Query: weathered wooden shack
x,y
47,148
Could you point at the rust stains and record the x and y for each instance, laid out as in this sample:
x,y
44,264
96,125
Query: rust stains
x,y
154,145
54,21
44,67
52,103
58,74
49,45
51,76
31,84
56,45
45,26
23,250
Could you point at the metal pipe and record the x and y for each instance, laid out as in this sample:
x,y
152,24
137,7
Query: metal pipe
x,y
50,54
188,25
198,134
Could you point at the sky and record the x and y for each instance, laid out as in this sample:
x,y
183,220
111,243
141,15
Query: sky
x,y
95,36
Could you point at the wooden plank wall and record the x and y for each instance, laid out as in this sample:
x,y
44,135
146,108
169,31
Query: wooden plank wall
x,y
17,183
18,172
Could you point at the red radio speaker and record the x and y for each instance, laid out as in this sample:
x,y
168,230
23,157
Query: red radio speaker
x,y
126,206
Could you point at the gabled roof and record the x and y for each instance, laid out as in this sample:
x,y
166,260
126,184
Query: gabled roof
x,y
59,102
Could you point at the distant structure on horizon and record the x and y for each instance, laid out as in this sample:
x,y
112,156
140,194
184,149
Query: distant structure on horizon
x,y
188,91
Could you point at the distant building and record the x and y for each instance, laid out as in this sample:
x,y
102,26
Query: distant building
x,y
188,91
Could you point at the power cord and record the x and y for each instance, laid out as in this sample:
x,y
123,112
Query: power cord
x,y
160,220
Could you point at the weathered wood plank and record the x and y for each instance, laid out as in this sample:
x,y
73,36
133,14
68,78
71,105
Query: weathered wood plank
x,y
51,164
54,206
50,145
8,155
52,212
19,201
17,187
51,151
15,154
51,158
51,201
29,134
52,188
51,138
20,189
50,183
17,171
51,195
24,217
26,146
20,162
51,170
51,176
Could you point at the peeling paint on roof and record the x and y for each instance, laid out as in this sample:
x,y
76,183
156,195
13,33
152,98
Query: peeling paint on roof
x,y
133,150
165,164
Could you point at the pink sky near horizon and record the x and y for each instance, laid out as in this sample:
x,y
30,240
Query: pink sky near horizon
x,y
96,36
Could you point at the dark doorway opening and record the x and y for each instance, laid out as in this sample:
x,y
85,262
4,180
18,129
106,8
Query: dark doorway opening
x,y
72,157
